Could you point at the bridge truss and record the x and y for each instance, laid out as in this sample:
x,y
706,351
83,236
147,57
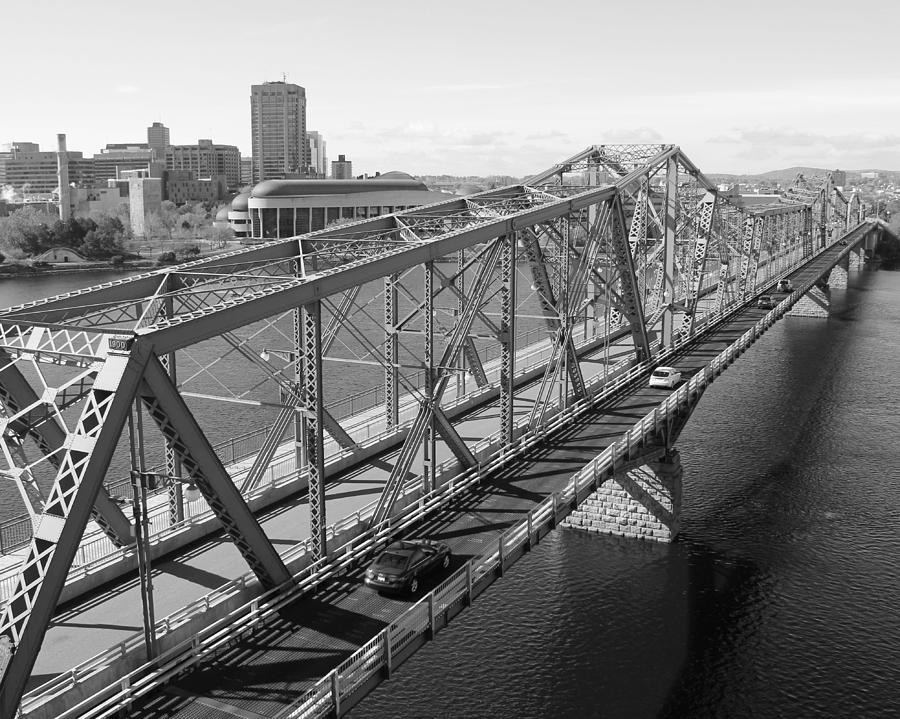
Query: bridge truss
x,y
431,307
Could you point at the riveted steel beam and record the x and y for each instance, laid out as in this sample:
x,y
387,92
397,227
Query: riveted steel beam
x,y
203,466
89,448
50,437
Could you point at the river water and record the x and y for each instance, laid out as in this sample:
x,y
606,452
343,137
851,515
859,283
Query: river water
x,y
778,600
780,597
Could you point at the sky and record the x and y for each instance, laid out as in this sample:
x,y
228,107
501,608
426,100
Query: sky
x,y
470,88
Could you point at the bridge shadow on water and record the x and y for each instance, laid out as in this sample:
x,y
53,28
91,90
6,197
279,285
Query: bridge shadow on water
x,y
718,591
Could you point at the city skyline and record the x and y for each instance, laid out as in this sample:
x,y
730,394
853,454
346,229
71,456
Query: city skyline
x,y
497,91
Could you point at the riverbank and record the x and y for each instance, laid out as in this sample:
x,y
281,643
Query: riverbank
x,y
17,271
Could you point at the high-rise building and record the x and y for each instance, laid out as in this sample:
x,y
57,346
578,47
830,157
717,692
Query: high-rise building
x,y
207,160
278,125
342,169
246,170
318,160
158,139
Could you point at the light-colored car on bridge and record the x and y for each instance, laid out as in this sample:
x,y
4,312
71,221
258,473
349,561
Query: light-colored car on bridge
x,y
665,377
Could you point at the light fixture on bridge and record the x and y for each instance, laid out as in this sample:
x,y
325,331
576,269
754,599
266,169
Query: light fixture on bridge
x,y
268,353
191,493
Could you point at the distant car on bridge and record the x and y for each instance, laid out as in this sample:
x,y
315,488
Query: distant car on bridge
x,y
398,568
665,377
785,286
766,302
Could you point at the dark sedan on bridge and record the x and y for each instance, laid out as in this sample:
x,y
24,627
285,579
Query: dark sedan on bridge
x,y
399,567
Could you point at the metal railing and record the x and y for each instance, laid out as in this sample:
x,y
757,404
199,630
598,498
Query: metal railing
x,y
328,693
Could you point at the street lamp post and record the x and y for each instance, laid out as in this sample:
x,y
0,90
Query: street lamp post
x,y
140,483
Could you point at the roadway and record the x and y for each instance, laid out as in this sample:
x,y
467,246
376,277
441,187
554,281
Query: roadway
x,y
90,624
263,673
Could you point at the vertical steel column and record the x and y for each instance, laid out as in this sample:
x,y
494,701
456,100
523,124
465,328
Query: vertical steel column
x,y
315,445
428,440
173,465
562,300
507,337
460,308
391,354
808,232
669,251
298,356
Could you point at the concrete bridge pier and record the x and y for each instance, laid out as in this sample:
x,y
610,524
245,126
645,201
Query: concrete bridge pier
x,y
641,501
815,303
837,278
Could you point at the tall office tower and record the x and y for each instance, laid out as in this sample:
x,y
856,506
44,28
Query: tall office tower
x,y
158,139
278,124
342,169
318,160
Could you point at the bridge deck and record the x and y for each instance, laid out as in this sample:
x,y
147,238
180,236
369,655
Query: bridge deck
x,y
264,672
112,614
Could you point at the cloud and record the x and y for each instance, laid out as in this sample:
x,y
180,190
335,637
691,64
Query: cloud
x,y
789,146
768,138
127,89
637,135
548,135
474,87
419,134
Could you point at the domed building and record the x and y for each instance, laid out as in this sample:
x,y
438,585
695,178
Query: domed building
x,y
285,208
239,215
221,218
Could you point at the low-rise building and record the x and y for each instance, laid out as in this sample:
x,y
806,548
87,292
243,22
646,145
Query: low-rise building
x,y
60,255
207,159
88,201
116,158
182,186
284,208
32,172
342,168
145,195
239,215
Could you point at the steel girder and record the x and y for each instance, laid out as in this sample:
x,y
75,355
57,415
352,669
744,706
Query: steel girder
x,y
314,441
553,313
205,470
138,323
698,265
507,336
422,430
39,419
88,449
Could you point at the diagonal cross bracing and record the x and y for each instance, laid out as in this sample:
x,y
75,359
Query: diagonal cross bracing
x,y
431,404
203,466
89,448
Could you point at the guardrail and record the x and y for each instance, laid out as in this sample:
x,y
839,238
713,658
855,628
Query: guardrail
x,y
344,686
208,640
203,645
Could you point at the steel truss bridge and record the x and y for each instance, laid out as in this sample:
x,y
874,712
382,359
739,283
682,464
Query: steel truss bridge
x,y
536,300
